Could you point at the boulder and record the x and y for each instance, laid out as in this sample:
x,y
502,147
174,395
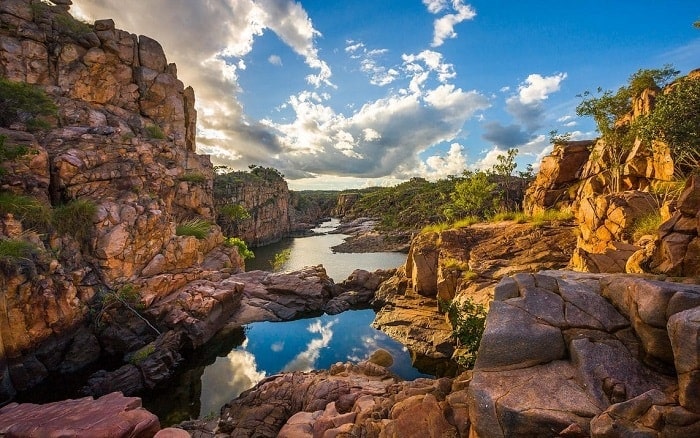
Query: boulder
x,y
111,415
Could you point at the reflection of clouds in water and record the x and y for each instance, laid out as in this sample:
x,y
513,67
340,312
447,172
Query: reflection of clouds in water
x,y
226,378
370,345
306,360
277,346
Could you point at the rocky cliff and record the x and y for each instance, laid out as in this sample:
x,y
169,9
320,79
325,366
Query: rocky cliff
x,y
120,149
612,192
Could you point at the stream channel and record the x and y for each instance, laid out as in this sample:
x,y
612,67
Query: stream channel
x,y
236,360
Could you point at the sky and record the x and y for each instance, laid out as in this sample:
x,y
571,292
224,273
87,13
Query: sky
x,y
340,94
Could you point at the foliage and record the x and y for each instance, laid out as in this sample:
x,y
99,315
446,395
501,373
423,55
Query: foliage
x,y
676,120
468,320
242,247
75,218
452,264
155,131
517,216
466,222
127,297
30,211
142,354
193,177
10,152
436,228
198,228
608,109
234,212
475,195
69,25
280,259
556,138
17,254
25,103
647,224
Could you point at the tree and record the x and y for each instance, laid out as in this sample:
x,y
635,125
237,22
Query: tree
x,y
503,169
475,195
609,110
676,121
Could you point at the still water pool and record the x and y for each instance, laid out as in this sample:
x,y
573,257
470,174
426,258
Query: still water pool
x,y
316,250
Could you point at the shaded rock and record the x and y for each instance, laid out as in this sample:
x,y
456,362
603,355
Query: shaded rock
x,y
381,357
684,333
111,415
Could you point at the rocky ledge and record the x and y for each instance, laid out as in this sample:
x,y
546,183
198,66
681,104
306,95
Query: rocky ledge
x,y
365,238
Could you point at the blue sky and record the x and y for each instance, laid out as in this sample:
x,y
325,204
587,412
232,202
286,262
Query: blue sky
x,y
353,93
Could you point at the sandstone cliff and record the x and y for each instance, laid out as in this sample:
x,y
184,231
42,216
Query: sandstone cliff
x,y
122,144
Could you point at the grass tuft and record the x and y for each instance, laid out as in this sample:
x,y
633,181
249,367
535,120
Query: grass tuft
x,y
30,211
75,218
647,224
198,228
155,131
193,177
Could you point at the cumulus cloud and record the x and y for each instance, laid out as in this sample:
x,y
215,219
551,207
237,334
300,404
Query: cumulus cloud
x,y
503,136
454,162
537,88
306,360
380,139
227,378
275,60
444,27
369,63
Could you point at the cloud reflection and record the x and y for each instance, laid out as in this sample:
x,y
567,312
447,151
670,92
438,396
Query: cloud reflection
x,y
227,378
306,360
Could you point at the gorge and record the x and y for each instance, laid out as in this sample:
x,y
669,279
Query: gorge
x,y
125,270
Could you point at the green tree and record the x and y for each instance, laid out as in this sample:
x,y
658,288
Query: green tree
x,y
25,103
676,121
280,259
475,195
503,170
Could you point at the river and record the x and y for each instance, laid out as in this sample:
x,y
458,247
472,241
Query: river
x,y
235,361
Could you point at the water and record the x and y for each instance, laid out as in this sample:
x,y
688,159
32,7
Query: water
x,y
234,362
316,250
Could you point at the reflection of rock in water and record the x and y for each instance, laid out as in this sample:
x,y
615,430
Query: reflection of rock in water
x,y
382,357
439,367
180,398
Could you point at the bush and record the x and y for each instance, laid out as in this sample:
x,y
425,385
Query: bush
x,y
198,228
468,320
30,211
25,103
647,224
142,354
72,26
452,264
75,218
234,212
155,131
17,254
280,259
242,247
193,177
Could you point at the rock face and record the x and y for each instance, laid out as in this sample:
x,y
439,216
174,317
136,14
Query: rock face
x,y
677,250
347,400
112,415
604,344
459,264
123,141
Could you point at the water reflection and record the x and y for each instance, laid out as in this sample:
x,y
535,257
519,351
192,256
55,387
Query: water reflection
x,y
306,360
227,378
231,364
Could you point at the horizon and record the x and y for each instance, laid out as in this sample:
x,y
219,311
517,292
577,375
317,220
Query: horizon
x,y
346,95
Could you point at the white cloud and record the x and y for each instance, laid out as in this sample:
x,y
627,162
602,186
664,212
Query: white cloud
x,y
379,75
444,27
537,88
452,163
306,360
489,159
227,378
275,60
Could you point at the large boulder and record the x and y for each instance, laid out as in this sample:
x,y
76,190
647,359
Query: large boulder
x,y
562,348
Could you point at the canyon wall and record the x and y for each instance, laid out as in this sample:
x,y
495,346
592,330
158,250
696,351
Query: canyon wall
x,y
122,145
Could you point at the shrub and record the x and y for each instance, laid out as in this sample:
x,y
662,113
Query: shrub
x,y
280,259
75,218
647,224
193,177
198,228
17,254
466,222
452,264
72,26
30,211
436,228
25,103
242,247
467,320
155,131
234,212
141,354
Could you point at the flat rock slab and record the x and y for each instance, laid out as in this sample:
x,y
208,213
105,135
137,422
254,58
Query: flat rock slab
x,y
110,416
